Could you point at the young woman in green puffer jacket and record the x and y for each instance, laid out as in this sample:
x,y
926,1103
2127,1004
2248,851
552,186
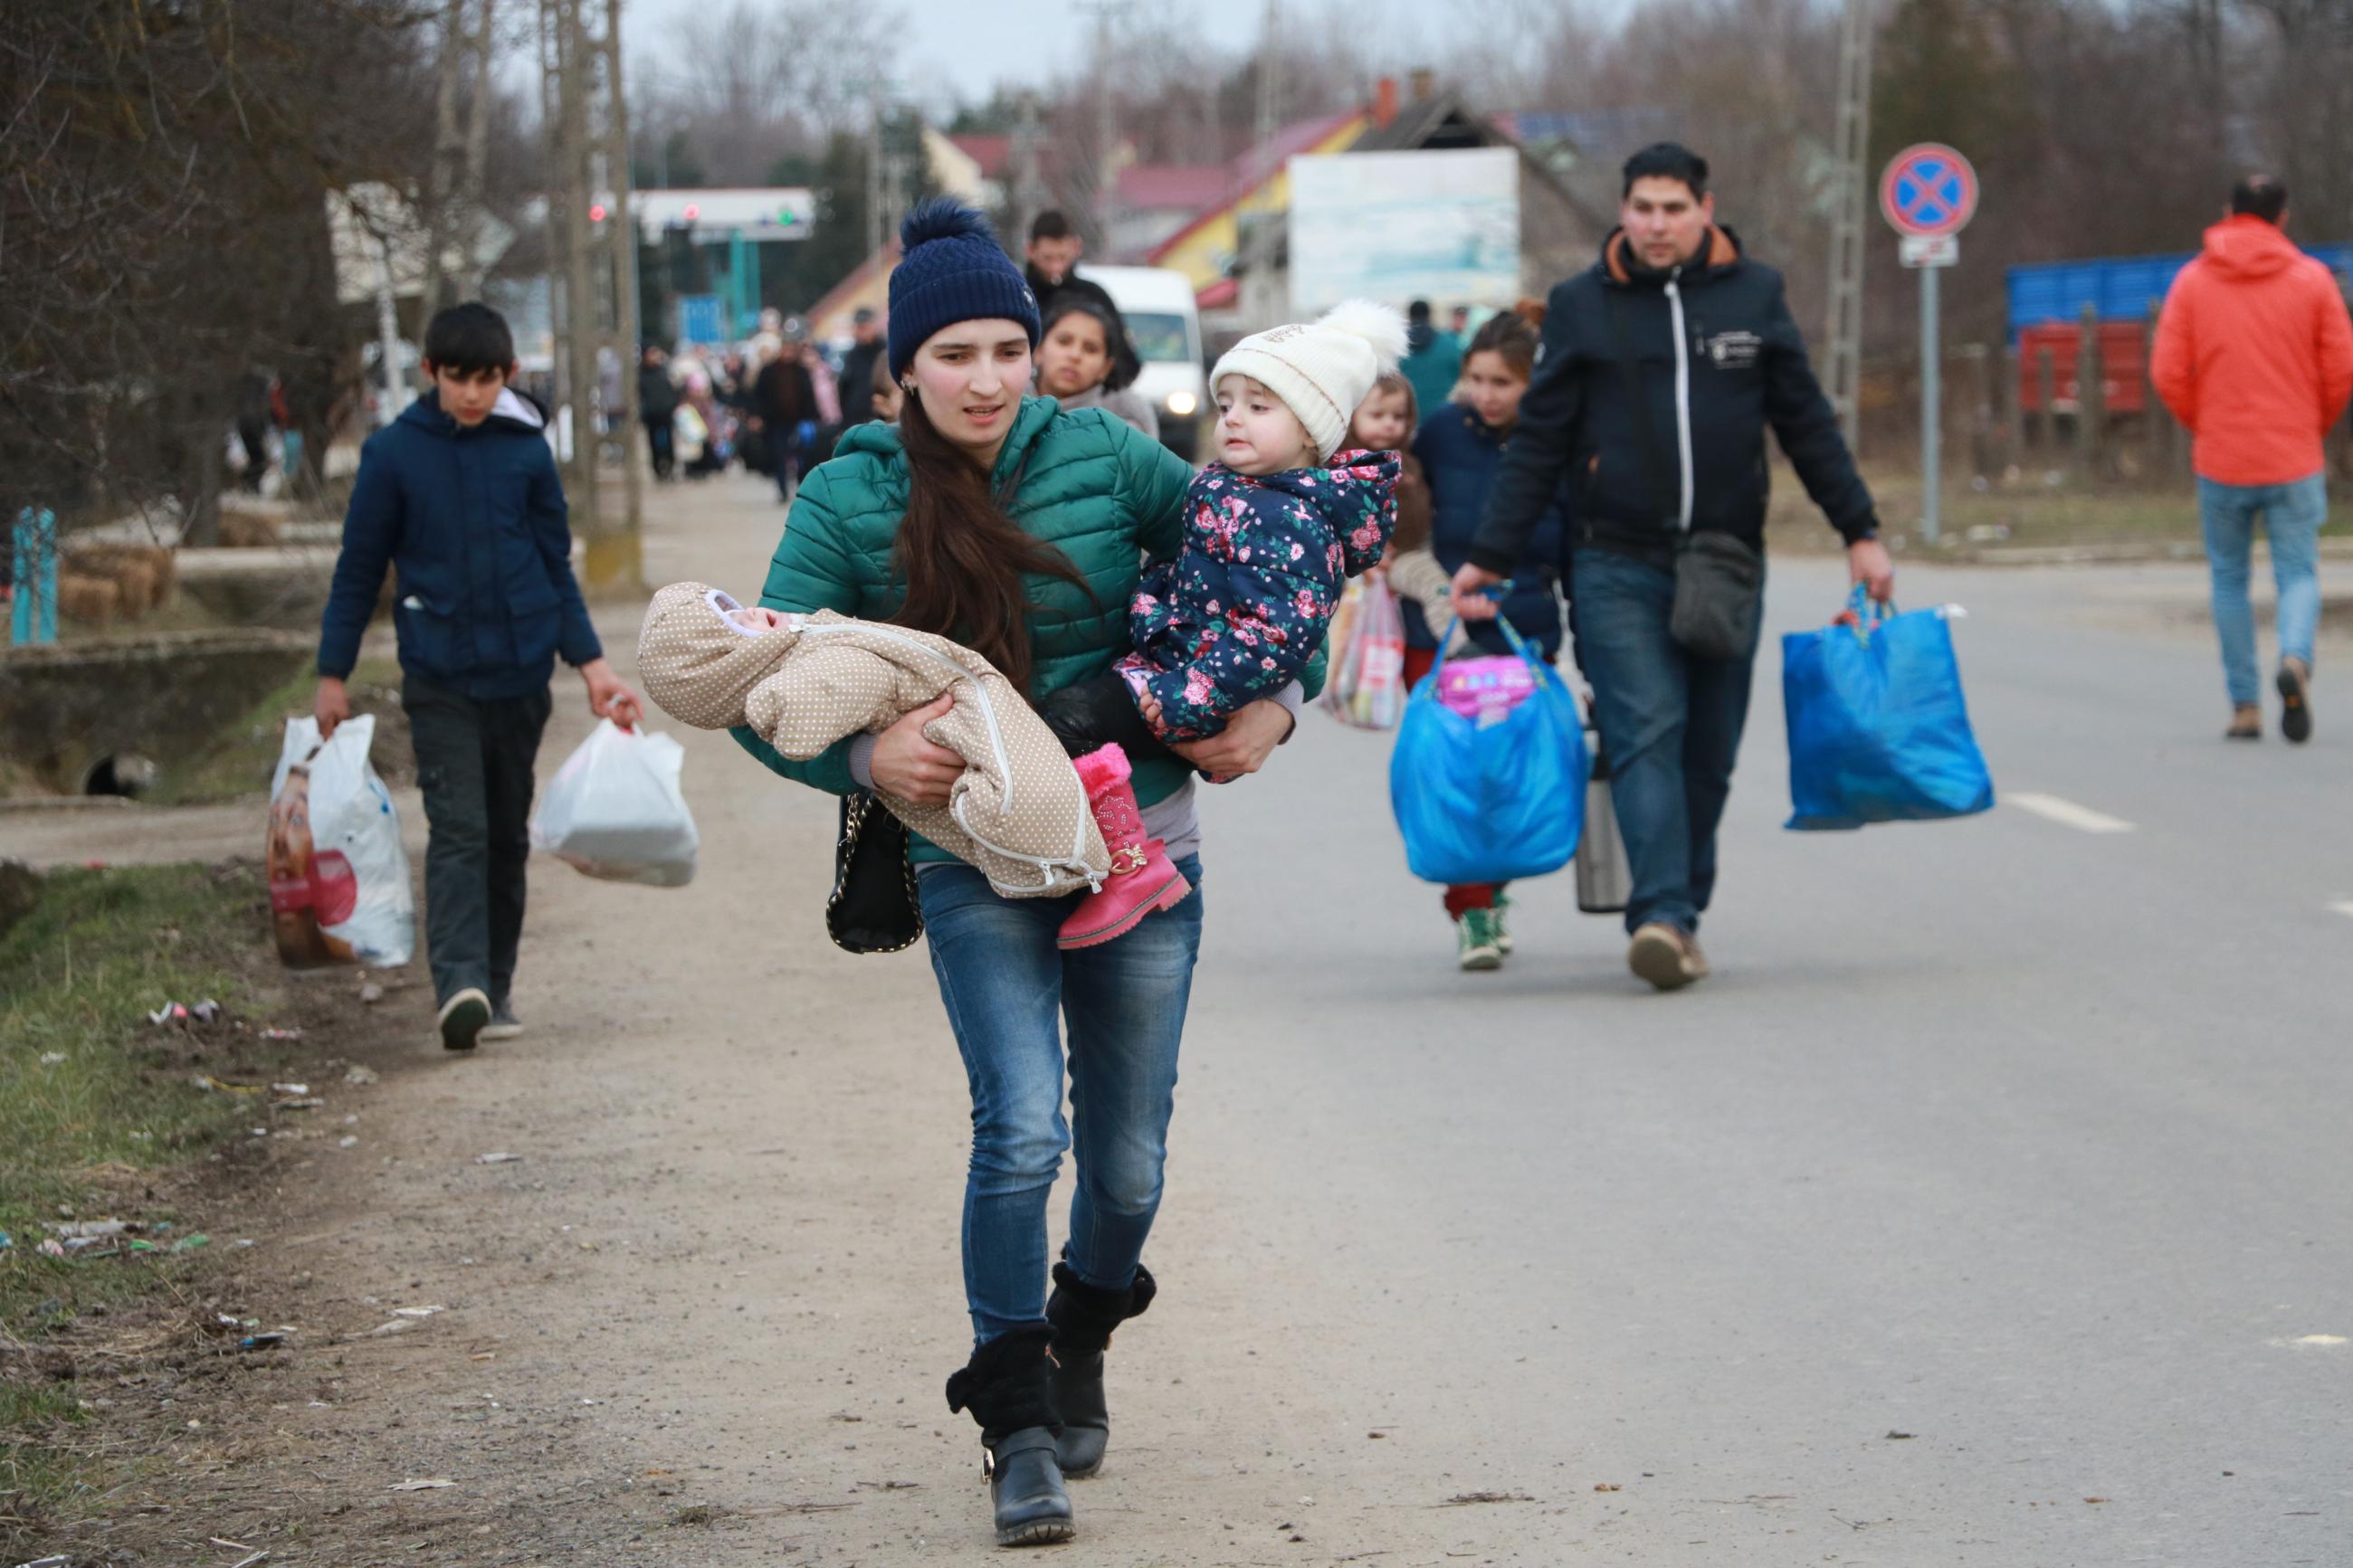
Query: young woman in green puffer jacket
x,y
1019,529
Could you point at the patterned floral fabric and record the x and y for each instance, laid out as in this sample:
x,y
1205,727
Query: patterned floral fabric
x,y
1245,605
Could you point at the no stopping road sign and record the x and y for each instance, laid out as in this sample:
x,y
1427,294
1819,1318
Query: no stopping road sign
x,y
1928,189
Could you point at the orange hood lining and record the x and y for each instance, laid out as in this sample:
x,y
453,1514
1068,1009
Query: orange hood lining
x,y
1721,252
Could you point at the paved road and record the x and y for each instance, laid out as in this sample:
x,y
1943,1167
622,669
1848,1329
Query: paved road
x,y
2024,1140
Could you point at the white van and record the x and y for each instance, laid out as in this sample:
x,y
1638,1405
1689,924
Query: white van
x,y
1166,329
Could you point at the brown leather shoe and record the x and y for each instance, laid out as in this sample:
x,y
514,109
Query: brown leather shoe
x,y
2246,723
1667,956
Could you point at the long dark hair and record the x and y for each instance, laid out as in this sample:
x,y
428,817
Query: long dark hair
x,y
962,557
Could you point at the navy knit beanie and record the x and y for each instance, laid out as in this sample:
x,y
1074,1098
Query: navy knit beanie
x,y
951,269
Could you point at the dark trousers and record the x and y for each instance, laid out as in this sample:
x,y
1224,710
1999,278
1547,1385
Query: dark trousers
x,y
474,759
661,442
1672,725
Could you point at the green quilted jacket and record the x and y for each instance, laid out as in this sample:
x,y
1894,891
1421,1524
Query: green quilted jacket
x,y
1083,481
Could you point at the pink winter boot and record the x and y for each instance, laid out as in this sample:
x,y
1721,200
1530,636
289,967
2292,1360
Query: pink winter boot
x,y
1142,878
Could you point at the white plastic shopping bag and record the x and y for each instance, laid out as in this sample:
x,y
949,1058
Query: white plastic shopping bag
x,y
615,810
338,872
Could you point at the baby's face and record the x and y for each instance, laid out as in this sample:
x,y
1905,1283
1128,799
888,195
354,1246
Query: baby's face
x,y
753,618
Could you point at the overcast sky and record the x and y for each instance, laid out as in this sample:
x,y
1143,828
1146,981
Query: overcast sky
x,y
964,47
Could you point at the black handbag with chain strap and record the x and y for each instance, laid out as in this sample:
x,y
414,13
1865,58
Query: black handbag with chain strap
x,y
873,908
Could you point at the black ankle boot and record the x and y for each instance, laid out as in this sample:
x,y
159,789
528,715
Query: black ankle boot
x,y
1008,1388
1083,1317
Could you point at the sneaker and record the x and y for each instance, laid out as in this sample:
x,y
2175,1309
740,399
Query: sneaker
x,y
2246,723
1474,942
463,1017
1503,937
503,1023
1667,956
2296,702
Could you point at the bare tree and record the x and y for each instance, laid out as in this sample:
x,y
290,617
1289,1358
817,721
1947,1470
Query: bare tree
x,y
163,227
751,83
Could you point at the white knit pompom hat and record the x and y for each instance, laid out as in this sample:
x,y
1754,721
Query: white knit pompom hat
x,y
1321,370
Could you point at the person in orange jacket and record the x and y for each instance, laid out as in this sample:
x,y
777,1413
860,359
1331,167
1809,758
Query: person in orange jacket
x,y
2254,356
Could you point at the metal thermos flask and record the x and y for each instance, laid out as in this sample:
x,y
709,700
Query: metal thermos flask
x,y
1604,882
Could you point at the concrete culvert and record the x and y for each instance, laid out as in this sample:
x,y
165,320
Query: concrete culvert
x,y
119,773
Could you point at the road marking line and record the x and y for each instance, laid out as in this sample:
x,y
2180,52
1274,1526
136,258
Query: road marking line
x,y
2343,906
2067,812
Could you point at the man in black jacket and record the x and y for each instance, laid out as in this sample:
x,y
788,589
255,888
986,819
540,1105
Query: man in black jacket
x,y
858,367
1661,368
1051,262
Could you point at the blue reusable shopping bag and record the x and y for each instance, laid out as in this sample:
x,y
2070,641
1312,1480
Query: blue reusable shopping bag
x,y
1879,730
1494,803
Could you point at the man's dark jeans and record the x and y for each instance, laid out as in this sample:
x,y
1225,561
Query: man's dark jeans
x,y
1672,725
474,760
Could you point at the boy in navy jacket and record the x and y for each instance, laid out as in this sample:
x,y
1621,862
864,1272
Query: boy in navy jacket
x,y
460,494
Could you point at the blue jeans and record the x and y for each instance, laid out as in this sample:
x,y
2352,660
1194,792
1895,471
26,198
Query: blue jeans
x,y
2291,515
1010,992
1672,726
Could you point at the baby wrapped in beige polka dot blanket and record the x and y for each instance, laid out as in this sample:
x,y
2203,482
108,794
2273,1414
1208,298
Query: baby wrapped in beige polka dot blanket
x,y
804,682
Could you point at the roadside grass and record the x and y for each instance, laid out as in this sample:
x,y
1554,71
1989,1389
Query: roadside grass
x,y
241,762
2028,511
95,1104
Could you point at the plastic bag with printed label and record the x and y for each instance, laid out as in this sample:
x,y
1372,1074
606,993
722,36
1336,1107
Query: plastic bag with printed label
x,y
338,872
1366,688
1494,794
615,810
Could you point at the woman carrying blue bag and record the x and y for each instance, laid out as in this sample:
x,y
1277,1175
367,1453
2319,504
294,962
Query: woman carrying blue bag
x,y
1490,796
1879,730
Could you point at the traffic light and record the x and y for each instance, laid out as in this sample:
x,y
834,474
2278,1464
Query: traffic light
x,y
595,212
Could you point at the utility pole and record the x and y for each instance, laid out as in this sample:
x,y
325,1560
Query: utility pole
x,y
592,237
1106,12
448,144
1847,214
1258,215
1028,194
878,227
894,188
459,155
564,41
621,247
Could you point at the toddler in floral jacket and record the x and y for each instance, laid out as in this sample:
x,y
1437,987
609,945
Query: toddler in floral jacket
x,y
1273,529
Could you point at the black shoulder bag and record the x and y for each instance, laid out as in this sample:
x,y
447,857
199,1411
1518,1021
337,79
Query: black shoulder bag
x,y
873,908
1719,578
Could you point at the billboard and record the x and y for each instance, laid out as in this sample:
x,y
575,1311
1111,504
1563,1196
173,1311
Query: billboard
x,y
1397,227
